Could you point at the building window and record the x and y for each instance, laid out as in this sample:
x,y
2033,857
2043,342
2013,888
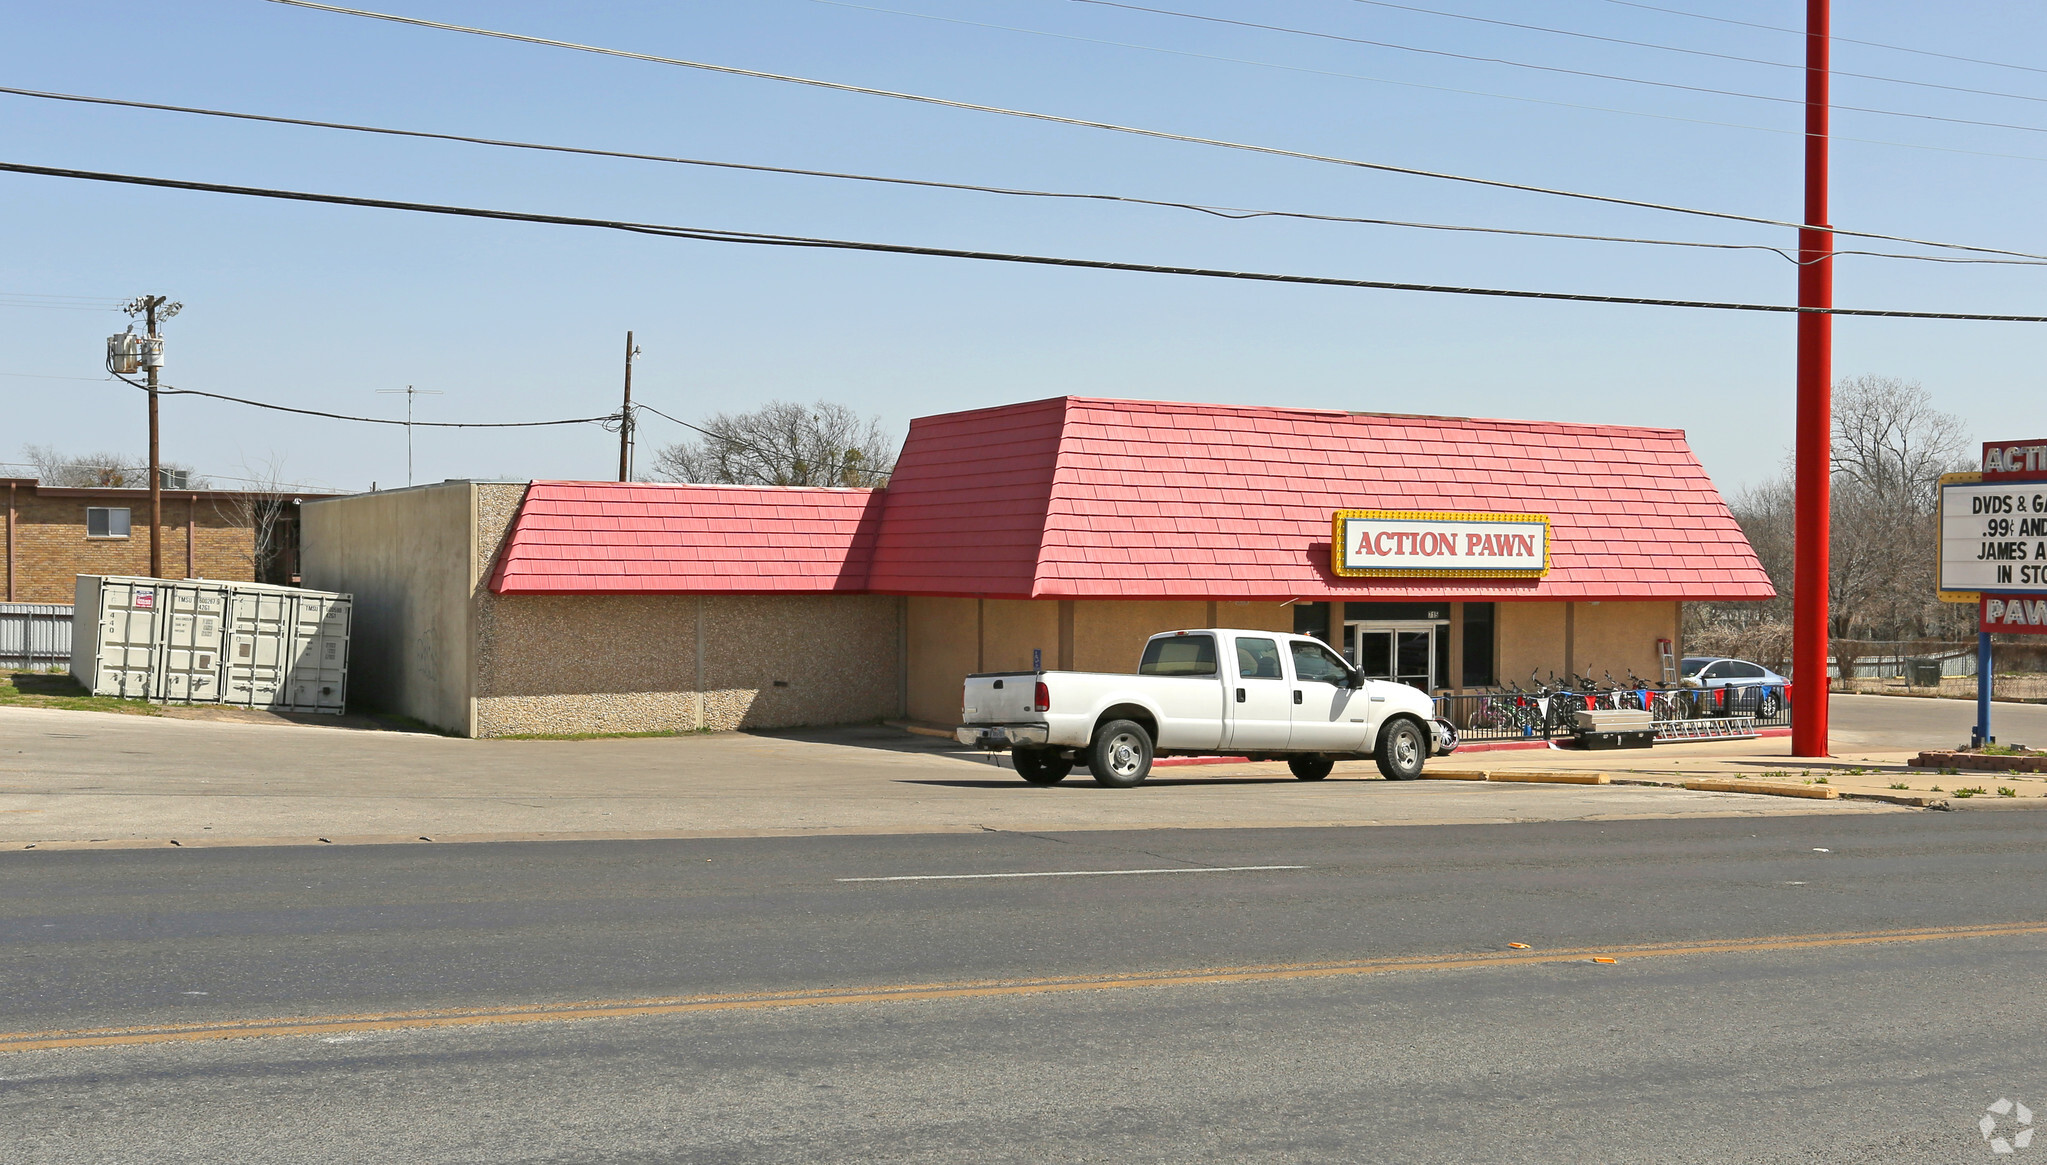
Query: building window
x,y
106,521
1478,645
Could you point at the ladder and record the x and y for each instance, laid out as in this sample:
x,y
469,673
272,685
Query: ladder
x,y
1710,728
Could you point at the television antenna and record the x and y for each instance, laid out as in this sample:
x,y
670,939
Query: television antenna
x,y
410,392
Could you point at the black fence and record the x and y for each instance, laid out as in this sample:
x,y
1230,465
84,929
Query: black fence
x,y
1511,715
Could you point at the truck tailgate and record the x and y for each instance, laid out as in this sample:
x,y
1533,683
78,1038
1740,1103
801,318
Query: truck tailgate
x,y
1001,698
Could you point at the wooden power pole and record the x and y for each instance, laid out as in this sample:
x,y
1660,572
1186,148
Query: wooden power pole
x,y
625,415
155,309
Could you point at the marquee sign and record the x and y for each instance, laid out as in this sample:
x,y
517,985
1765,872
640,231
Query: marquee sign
x,y
1431,544
2014,614
1993,524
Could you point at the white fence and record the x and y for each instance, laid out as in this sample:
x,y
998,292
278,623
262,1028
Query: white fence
x,y
35,635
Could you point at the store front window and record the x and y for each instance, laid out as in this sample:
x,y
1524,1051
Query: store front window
x,y
1408,642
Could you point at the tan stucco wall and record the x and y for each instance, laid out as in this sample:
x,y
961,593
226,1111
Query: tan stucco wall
x,y
406,555
950,638
1012,628
1615,637
1621,637
943,650
1527,636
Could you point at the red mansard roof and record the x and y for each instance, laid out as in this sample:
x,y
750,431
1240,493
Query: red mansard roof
x,y
1081,498
597,537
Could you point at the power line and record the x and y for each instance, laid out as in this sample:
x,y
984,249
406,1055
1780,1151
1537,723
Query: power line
x,y
711,235
1459,56
1228,212
1161,135
168,391
1874,44
1385,44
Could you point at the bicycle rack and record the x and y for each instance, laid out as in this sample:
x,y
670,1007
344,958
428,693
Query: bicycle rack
x,y
1711,728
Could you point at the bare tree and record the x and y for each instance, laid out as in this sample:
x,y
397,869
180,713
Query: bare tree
x,y
99,470
261,508
1892,444
783,444
1890,447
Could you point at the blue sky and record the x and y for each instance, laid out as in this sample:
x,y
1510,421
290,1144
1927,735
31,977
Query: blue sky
x,y
321,306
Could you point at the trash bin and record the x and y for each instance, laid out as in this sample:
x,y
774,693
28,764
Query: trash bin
x,y
1922,673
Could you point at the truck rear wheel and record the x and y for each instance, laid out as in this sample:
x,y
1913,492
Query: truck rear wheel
x,y
1040,766
1310,768
1120,754
1402,749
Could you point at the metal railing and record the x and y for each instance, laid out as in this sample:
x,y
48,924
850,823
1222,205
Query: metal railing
x,y
35,635
1550,715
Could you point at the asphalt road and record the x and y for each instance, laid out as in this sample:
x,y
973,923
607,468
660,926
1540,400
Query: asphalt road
x,y
1730,1049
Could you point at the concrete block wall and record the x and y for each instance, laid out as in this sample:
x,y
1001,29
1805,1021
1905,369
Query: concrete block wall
x,y
407,556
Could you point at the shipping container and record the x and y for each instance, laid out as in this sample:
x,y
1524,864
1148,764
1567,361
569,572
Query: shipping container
x,y
205,641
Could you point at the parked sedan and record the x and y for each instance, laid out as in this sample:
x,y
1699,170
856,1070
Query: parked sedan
x,y
1750,688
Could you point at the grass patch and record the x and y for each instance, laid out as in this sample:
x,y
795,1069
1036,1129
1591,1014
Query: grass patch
x,y
29,689
604,735
1976,791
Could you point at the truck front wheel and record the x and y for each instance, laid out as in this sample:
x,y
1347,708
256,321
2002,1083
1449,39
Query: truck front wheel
x,y
1402,749
1120,754
1041,766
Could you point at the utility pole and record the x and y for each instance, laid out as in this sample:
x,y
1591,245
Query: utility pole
x,y
409,392
154,309
1815,426
625,424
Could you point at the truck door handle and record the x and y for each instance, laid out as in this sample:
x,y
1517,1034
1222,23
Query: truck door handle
x,y
1297,695
1240,695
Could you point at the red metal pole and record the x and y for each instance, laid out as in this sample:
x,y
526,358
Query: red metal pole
x,y
1815,409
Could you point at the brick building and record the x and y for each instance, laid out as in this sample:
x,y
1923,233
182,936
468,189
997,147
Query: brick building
x,y
54,534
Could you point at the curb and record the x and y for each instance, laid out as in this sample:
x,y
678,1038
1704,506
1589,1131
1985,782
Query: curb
x,y
1814,792
1541,778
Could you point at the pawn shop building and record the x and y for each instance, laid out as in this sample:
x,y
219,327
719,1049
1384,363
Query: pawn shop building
x,y
1447,552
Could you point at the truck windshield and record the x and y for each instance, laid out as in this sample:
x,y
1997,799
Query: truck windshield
x,y
1179,655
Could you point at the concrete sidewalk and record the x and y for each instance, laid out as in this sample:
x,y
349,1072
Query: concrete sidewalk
x,y
70,779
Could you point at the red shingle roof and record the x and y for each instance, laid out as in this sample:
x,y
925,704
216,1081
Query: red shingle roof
x,y
596,537
1080,498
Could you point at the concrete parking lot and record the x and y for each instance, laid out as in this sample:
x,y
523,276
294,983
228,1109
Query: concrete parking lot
x,y
94,778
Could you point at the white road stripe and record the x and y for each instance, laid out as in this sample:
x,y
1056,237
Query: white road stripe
x,y
1069,873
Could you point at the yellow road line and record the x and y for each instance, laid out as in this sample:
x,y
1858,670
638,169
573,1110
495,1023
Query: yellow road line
x,y
976,989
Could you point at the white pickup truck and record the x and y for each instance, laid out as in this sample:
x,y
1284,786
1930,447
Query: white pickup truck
x,y
1260,694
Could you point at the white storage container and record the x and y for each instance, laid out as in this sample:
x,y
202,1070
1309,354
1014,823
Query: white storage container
x,y
205,641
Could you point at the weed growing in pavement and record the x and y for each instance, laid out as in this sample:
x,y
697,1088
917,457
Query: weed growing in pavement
x,y
1899,785
1938,789
1973,791
1950,772
1820,781
1774,775
1854,772
2007,791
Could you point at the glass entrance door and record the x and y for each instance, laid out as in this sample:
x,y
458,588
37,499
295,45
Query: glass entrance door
x,y
1404,654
